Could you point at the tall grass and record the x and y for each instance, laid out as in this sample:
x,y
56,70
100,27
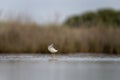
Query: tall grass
x,y
16,37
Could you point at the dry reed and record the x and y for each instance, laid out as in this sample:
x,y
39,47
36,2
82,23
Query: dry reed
x,y
16,37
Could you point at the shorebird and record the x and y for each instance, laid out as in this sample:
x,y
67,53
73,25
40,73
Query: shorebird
x,y
52,50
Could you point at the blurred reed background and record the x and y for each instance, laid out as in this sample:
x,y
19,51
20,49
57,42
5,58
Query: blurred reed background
x,y
18,37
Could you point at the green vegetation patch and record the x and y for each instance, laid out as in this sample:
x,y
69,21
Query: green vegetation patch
x,y
101,17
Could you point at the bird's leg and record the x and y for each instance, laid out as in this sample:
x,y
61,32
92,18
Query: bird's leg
x,y
53,55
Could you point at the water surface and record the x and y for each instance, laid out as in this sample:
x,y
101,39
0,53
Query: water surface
x,y
27,67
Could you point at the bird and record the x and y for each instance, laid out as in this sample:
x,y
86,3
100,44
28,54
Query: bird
x,y
52,50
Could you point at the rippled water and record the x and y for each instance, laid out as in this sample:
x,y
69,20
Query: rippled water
x,y
29,67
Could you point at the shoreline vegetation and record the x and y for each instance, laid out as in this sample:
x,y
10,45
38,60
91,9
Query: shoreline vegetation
x,y
29,37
